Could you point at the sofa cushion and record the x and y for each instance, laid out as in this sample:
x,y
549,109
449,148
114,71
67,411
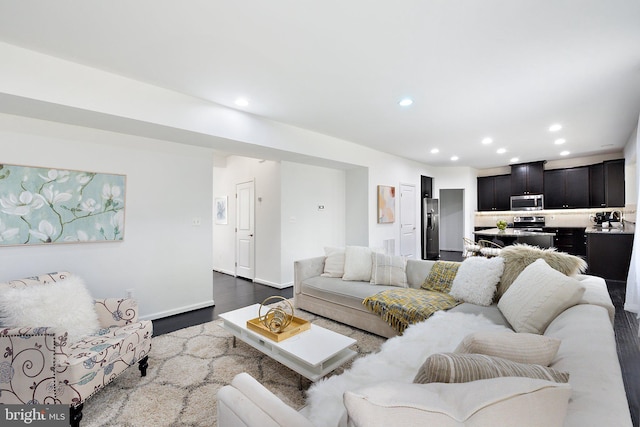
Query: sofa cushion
x,y
389,270
334,262
65,304
486,403
441,276
476,280
462,368
537,296
336,291
521,348
517,257
357,263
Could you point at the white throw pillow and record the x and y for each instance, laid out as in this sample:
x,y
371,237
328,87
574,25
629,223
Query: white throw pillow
x,y
477,279
334,262
357,263
537,296
389,270
66,305
506,401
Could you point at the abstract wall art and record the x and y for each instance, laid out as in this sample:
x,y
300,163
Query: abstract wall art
x,y
386,204
45,205
221,210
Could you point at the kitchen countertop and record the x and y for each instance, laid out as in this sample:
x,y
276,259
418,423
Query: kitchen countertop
x,y
511,232
627,229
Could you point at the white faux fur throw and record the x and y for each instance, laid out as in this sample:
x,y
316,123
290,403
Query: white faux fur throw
x,y
399,359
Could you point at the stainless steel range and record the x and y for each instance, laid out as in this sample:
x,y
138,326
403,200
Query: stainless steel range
x,y
529,223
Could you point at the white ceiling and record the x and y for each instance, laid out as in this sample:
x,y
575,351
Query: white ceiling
x,y
507,69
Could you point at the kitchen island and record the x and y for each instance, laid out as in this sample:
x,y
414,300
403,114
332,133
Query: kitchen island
x,y
509,236
609,251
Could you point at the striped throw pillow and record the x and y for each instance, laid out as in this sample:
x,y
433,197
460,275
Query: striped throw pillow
x,y
517,347
462,368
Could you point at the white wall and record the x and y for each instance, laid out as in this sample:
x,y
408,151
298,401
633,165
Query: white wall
x,y
164,257
357,228
306,229
631,173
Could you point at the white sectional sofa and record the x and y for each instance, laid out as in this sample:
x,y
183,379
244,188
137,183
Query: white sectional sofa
x,y
587,351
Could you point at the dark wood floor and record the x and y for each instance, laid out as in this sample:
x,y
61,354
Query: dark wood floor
x,y
230,293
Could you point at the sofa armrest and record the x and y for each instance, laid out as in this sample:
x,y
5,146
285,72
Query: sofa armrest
x,y
304,269
596,293
248,403
116,311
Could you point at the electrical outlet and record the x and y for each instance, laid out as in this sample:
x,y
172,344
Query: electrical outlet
x,y
131,293
196,222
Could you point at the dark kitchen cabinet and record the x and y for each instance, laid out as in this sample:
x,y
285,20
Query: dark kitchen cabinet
x,y
596,186
614,183
571,240
609,255
606,184
494,193
566,188
527,178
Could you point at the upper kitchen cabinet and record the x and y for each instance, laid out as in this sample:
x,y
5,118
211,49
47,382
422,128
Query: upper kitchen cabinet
x,y
527,178
566,188
494,193
606,184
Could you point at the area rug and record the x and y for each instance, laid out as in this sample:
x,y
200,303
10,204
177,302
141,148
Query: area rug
x,y
188,367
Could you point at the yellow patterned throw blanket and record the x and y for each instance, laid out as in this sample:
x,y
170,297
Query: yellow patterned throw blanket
x,y
404,306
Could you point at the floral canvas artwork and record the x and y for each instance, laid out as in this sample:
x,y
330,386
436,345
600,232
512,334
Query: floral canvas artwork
x,y
44,205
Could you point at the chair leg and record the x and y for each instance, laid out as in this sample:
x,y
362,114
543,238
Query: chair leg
x,y
75,413
142,365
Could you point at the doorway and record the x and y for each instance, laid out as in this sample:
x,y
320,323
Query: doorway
x,y
245,230
451,219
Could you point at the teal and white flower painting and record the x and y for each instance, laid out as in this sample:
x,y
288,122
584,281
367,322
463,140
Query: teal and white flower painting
x,y
45,205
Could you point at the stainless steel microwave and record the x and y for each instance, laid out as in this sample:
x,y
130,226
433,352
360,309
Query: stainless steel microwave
x,y
530,202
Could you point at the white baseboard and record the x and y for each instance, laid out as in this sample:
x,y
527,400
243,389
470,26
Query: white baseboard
x,y
178,310
273,284
223,271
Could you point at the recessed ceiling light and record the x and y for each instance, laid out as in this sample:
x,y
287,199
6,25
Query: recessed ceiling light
x,y
487,141
513,159
564,153
241,102
501,150
454,158
434,151
555,127
405,102
559,141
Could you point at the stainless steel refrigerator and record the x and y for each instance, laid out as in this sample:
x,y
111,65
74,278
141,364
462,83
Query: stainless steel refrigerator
x,y
431,229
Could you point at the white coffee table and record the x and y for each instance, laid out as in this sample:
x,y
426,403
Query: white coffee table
x,y
312,353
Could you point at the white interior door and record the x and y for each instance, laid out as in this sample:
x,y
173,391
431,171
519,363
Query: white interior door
x,y
408,220
245,234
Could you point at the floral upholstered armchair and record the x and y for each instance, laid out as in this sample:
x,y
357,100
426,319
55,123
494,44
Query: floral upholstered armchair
x,y
45,364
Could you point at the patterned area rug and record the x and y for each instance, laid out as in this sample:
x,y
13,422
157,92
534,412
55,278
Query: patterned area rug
x,y
189,366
